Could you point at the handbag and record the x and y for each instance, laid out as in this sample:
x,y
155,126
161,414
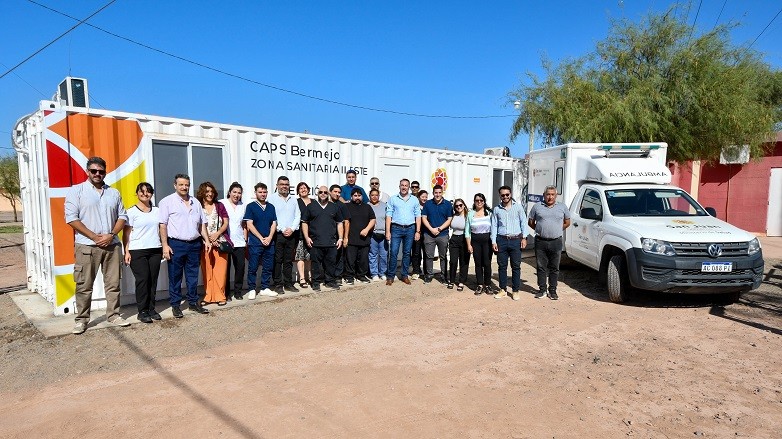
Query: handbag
x,y
224,246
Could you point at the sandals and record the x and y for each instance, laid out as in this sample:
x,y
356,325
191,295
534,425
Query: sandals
x,y
478,290
449,286
221,303
303,284
460,287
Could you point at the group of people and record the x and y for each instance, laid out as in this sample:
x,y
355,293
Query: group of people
x,y
344,234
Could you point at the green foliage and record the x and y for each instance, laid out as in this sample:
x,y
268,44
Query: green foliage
x,y
9,181
656,81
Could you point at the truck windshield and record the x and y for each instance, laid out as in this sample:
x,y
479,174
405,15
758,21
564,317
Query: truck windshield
x,y
652,202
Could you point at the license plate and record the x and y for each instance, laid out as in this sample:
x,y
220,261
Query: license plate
x,y
717,267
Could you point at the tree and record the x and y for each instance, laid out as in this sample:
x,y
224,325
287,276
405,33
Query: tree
x,y
657,82
9,182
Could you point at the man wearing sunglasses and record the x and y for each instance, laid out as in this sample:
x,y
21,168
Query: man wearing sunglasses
x,y
508,237
323,232
374,183
96,214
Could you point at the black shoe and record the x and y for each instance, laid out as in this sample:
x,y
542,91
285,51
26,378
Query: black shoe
x,y
291,289
238,296
315,287
427,279
144,317
279,290
553,295
333,285
198,308
478,290
349,281
363,280
540,294
154,314
177,312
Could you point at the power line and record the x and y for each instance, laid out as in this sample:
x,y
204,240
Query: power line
x,y
23,80
273,87
698,11
764,29
56,39
716,22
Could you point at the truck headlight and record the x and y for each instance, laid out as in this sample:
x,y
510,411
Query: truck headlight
x,y
754,247
657,247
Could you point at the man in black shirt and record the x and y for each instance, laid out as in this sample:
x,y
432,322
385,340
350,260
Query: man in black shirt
x,y
335,192
362,222
323,231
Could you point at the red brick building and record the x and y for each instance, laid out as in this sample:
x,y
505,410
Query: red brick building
x,y
742,194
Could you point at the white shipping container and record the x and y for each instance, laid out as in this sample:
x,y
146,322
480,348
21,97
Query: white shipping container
x,y
53,145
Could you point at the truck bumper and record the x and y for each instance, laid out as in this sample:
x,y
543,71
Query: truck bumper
x,y
676,274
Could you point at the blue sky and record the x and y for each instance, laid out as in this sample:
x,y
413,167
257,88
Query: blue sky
x,y
454,58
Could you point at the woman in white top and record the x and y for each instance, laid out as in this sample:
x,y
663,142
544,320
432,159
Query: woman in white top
x,y
478,237
143,250
237,231
457,246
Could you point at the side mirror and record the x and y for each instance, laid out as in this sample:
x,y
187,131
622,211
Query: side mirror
x,y
589,213
711,211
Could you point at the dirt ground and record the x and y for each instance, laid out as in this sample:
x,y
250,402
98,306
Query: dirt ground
x,y
419,361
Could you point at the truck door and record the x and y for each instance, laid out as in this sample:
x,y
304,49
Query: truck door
x,y
583,238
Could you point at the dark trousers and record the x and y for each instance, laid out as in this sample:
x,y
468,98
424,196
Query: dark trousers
x,y
418,257
263,257
481,254
547,256
457,248
357,261
284,253
339,263
509,249
323,264
145,264
187,258
236,257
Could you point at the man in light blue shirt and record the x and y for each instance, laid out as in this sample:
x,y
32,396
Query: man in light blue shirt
x,y
96,214
403,225
508,237
286,238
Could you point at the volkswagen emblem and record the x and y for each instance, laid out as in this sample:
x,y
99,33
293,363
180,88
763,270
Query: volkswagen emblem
x,y
715,250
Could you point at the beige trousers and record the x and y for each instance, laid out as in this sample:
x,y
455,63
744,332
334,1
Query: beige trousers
x,y
88,259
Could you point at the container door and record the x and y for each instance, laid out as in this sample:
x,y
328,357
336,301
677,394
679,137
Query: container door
x,y
774,217
478,180
391,171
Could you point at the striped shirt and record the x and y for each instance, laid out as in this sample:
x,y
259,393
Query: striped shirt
x,y
511,221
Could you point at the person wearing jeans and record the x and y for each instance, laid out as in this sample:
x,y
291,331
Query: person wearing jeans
x,y
261,219
508,237
378,246
403,226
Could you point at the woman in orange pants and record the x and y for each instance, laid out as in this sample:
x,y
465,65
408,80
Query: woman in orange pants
x,y
214,263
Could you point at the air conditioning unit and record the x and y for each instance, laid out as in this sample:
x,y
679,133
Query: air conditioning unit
x,y
74,92
501,151
732,155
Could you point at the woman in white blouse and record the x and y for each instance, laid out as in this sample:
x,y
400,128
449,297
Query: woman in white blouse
x,y
237,231
143,250
478,236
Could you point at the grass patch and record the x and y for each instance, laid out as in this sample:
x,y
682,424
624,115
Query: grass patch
x,y
11,229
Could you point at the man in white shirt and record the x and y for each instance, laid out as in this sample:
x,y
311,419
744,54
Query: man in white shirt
x,y
287,237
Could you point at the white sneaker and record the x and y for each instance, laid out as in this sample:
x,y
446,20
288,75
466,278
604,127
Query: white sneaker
x,y
501,294
80,328
414,276
383,277
251,294
375,278
516,295
268,292
119,321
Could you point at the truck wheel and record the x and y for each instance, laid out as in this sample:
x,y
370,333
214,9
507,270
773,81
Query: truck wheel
x,y
618,283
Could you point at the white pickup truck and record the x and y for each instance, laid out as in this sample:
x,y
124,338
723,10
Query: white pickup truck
x,y
636,229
